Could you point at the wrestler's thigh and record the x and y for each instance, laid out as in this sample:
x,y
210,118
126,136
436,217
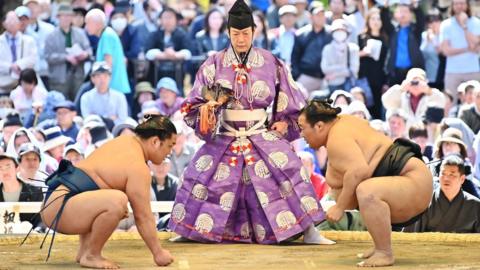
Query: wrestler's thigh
x,y
52,205
401,193
82,209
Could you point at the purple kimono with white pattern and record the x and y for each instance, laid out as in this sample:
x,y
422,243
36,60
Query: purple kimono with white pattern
x,y
251,189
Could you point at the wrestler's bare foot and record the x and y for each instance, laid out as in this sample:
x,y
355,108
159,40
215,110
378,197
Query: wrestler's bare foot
x,y
81,251
82,246
367,254
95,261
79,254
378,259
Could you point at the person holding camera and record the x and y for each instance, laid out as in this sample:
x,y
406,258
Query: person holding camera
x,y
414,96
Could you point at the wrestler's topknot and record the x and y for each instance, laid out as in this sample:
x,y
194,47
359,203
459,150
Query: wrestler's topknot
x,y
155,125
320,110
324,106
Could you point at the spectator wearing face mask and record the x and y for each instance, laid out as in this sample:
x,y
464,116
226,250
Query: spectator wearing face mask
x,y
340,58
131,43
349,12
109,50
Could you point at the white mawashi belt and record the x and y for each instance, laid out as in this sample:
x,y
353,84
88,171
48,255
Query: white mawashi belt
x,y
259,115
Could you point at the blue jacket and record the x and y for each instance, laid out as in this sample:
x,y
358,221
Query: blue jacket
x,y
414,39
307,52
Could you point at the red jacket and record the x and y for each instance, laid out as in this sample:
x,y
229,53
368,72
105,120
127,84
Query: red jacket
x,y
319,184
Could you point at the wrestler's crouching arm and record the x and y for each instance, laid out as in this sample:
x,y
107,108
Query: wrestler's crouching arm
x,y
139,198
345,197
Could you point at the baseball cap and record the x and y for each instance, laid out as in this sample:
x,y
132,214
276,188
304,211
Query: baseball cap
x,y
23,11
100,67
28,148
64,9
316,7
287,9
416,73
72,147
67,104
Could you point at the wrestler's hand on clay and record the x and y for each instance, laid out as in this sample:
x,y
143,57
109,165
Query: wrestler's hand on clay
x,y
163,258
281,127
335,213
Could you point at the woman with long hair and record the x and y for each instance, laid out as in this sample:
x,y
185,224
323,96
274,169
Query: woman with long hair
x,y
260,36
373,53
213,38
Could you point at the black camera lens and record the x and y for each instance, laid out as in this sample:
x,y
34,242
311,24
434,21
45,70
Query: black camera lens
x,y
414,82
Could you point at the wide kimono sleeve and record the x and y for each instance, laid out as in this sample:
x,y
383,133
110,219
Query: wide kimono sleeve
x,y
191,106
290,102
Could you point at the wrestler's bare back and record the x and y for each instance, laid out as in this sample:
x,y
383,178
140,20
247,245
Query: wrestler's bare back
x,y
110,165
347,130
